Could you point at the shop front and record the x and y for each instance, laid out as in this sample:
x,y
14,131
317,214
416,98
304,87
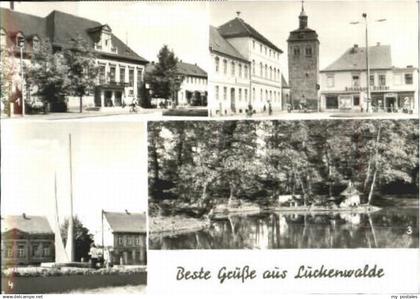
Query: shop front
x,y
110,95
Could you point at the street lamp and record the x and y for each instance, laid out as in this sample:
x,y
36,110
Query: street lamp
x,y
364,15
21,43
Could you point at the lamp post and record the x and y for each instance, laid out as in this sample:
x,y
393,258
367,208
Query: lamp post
x,y
364,15
21,44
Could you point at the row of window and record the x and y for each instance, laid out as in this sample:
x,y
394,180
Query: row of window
x,y
195,80
374,79
20,250
236,68
112,76
266,71
266,50
129,240
306,50
267,95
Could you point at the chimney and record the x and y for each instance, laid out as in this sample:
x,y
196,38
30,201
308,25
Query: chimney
x,y
355,46
24,216
238,13
409,66
378,44
127,212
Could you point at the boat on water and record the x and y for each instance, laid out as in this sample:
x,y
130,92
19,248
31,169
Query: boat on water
x,y
363,208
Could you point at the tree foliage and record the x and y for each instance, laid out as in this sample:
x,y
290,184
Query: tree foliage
x,y
196,162
82,238
164,79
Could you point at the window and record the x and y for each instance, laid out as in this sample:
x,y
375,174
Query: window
x,y
330,80
408,79
253,67
278,75
271,73
266,95
240,70
35,43
382,80
271,95
269,53
261,69
224,66
224,93
356,100
265,50
372,80
246,71
240,94
253,94
331,102
253,44
137,240
261,95
216,63
232,68
46,250
308,52
21,251
102,76
129,241
266,71
131,77
260,48
296,51
120,240
122,74
9,251
112,74
274,74
2,38
139,77
355,80
246,94
216,92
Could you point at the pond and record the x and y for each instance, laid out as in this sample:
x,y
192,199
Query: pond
x,y
387,228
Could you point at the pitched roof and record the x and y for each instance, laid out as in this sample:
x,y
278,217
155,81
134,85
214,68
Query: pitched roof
x,y
191,70
60,28
126,222
304,34
219,44
239,28
355,59
28,224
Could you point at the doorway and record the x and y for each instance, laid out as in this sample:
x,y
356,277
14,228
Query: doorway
x,y
232,100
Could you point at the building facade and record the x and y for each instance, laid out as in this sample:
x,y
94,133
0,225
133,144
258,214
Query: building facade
x,y
26,240
392,89
193,89
125,235
303,61
245,71
121,70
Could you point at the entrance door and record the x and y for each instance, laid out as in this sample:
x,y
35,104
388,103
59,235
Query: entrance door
x,y
232,100
331,102
108,99
390,104
118,98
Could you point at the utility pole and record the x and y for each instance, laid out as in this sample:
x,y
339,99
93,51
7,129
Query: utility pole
x,y
21,44
367,62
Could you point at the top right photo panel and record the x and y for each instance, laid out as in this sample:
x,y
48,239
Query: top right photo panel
x,y
313,59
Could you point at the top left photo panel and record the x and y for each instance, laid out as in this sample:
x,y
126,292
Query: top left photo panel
x,y
113,61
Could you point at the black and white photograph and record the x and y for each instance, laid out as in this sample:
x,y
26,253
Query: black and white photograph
x,y
119,60
73,209
283,184
313,59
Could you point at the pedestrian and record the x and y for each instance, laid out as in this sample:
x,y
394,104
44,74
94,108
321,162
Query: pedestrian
x,y
107,258
94,254
133,105
270,109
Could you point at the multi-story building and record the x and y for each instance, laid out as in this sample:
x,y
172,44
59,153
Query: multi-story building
x,y
125,234
245,70
193,89
391,88
26,240
121,69
303,61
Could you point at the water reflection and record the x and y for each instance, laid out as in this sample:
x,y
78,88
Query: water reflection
x,y
388,228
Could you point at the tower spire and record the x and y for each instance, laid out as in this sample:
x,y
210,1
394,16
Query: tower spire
x,y
303,9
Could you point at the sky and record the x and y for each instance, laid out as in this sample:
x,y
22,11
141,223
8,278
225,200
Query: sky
x,y
109,169
183,26
331,20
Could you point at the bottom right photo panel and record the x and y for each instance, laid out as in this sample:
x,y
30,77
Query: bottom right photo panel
x,y
283,184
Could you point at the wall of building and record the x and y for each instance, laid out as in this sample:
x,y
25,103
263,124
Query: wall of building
x,y
191,84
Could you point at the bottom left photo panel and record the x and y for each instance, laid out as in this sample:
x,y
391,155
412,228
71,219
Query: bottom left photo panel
x,y
73,208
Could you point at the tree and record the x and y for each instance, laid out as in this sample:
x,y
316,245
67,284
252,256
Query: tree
x,y
7,71
82,238
82,68
164,79
47,73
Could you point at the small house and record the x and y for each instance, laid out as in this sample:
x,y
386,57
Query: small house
x,y
125,234
352,196
26,240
